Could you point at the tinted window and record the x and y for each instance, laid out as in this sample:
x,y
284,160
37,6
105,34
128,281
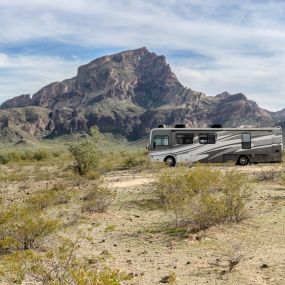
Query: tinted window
x,y
184,138
246,140
207,138
160,141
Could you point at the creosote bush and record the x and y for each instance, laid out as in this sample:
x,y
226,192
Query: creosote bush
x,y
49,197
86,152
26,155
58,265
23,229
138,159
97,199
269,175
202,197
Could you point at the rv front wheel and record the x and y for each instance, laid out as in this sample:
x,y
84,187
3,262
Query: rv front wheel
x,y
170,161
243,160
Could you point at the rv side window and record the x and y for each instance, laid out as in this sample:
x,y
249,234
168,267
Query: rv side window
x,y
160,141
246,140
184,138
207,138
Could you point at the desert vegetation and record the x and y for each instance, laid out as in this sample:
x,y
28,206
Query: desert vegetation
x,y
202,197
85,214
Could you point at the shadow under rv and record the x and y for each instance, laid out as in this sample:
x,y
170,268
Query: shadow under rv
x,y
216,144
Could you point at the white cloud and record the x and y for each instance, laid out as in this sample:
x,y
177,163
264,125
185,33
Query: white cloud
x,y
27,74
241,43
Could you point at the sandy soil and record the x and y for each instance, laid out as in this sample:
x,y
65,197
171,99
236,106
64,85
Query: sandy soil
x,y
133,234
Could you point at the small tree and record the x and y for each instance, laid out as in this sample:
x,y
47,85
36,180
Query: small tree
x,y
86,152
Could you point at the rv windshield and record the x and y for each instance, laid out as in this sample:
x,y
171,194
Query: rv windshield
x,y
160,141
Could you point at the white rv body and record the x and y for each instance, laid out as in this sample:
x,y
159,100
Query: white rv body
x,y
242,145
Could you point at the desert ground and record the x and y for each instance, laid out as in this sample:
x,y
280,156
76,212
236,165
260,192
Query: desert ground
x,y
135,235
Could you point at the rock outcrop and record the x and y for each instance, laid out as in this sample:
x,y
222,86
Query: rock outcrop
x,y
127,93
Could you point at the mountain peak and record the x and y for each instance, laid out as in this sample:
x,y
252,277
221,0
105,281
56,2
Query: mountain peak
x,y
126,93
223,95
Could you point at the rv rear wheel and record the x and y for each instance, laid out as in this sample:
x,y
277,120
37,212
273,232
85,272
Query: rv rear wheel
x,y
243,160
170,161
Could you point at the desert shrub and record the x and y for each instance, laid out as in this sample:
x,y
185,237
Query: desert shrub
x,y
94,174
235,193
55,153
135,160
282,179
13,176
201,196
26,155
173,190
9,157
31,115
31,155
49,197
86,152
4,158
24,229
97,199
59,265
269,175
40,154
127,159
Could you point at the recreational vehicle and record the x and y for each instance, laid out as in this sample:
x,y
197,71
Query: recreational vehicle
x,y
242,145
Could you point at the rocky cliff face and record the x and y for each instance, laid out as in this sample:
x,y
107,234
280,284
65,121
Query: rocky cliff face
x,y
127,93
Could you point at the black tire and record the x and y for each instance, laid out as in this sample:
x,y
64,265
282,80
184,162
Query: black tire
x,y
170,161
243,160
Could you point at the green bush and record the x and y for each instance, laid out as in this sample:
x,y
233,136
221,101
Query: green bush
x,y
26,155
86,152
201,196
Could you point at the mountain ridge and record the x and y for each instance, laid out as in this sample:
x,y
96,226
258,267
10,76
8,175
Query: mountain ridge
x,y
126,93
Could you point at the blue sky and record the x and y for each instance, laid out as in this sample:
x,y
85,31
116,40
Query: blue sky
x,y
211,45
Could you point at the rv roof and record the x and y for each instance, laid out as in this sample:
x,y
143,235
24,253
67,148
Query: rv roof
x,y
219,129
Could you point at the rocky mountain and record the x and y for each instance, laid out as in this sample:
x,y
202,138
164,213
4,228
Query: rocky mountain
x,y
127,93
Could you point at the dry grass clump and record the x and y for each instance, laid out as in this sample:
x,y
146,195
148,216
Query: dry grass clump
x,y
282,180
12,176
97,199
269,175
202,197
58,265
57,195
24,229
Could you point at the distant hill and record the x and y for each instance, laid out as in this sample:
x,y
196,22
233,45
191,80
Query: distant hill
x,y
127,93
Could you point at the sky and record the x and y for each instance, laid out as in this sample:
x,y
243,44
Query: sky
x,y
211,45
